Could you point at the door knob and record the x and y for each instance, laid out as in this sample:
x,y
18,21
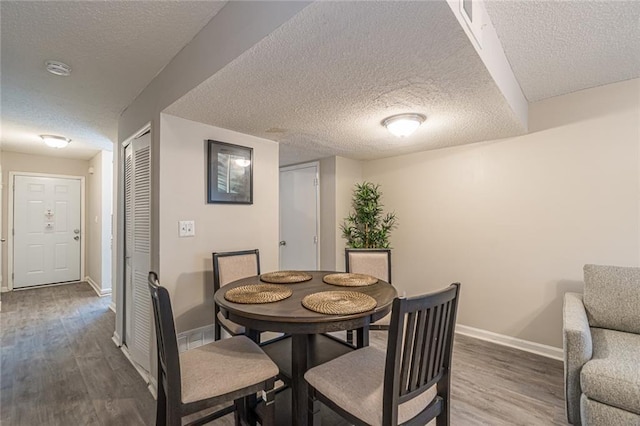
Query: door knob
x,y
2,240
77,237
283,243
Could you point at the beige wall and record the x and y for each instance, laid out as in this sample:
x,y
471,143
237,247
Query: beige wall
x,y
185,266
515,220
348,173
99,184
338,175
328,214
16,162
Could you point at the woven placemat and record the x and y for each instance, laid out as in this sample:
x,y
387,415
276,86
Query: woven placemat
x,y
339,302
258,293
349,280
285,277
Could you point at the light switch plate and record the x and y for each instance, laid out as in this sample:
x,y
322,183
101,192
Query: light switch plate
x,y
186,228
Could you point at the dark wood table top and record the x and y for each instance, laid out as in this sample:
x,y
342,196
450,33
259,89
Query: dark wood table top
x,y
289,316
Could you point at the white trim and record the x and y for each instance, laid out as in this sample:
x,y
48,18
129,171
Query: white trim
x,y
512,342
116,339
11,195
112,306
96,288
315,164
196,337
153,387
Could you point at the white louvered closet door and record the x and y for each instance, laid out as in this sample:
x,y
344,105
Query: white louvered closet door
x,y
137,188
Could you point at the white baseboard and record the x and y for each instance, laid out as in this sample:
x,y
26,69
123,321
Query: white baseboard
x,y
112,306
153,387
116,339
100,292
4,289
197,337
512,342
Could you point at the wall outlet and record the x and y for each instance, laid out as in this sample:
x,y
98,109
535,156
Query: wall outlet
x,y
186,228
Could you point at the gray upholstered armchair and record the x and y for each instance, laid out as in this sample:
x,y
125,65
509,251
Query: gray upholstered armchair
x,y
601,338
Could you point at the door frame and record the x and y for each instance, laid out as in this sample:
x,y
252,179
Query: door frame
x,y
83,231
315,164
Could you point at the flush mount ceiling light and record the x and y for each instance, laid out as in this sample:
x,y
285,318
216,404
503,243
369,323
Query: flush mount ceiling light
x,y
55,141
58,68
403,125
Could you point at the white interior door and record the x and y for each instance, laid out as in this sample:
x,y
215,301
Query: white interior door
x,y
46,226
299,218
137,188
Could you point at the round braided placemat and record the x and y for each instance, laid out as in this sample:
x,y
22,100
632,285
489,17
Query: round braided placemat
x,y
258,293
339,302
349,280
285,277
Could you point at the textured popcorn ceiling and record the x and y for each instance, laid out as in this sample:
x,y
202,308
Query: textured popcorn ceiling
x,y
558,47
322,83
114,48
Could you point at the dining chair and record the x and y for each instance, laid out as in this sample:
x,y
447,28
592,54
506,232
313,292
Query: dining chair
x,y
409,384
229,370
374,262
227,267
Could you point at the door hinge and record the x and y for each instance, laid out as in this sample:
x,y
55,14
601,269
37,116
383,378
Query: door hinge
x,y
315,239
315,181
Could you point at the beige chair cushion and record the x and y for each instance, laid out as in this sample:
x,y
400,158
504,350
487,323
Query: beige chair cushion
x,y
612,376
612,297
232,268
375,264
355,383
232,327
223,366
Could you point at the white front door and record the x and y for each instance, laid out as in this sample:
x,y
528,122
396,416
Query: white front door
x,y
46,224
299,221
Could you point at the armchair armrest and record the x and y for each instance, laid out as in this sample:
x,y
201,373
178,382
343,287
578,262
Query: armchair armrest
x,y
578,349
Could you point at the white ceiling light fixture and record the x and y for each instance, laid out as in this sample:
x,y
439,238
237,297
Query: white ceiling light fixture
x,y
402,125
55,141
58,68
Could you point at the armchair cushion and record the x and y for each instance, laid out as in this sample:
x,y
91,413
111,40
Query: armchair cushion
x,y
612,376
612,297
577,350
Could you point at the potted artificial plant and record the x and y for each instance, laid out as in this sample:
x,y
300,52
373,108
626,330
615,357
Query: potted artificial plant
x,y
367,226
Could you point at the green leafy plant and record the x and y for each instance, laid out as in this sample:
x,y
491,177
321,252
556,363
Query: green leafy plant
x,y
367,226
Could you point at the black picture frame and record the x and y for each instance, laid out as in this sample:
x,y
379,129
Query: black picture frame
x,y
229,173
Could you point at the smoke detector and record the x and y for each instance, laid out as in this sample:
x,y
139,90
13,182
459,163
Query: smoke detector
x,y
58,68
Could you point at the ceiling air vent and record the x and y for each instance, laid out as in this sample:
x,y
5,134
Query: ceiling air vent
x,y
58,68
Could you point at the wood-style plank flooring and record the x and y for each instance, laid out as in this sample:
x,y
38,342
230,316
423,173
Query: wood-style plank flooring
x,y
59,366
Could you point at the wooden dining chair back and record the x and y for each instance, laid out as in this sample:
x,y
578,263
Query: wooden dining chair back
x,y
410,383
228,267
374,262
229,371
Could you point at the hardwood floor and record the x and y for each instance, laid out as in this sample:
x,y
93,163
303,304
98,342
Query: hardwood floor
x,y
59,366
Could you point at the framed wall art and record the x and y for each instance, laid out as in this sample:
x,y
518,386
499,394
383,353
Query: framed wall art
x,y
229,173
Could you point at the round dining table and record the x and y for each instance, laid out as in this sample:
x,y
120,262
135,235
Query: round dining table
x,y
306,346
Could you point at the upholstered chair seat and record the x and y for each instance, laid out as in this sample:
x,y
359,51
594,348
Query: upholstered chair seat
x,y
362,393
223,367
225,371
407,384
